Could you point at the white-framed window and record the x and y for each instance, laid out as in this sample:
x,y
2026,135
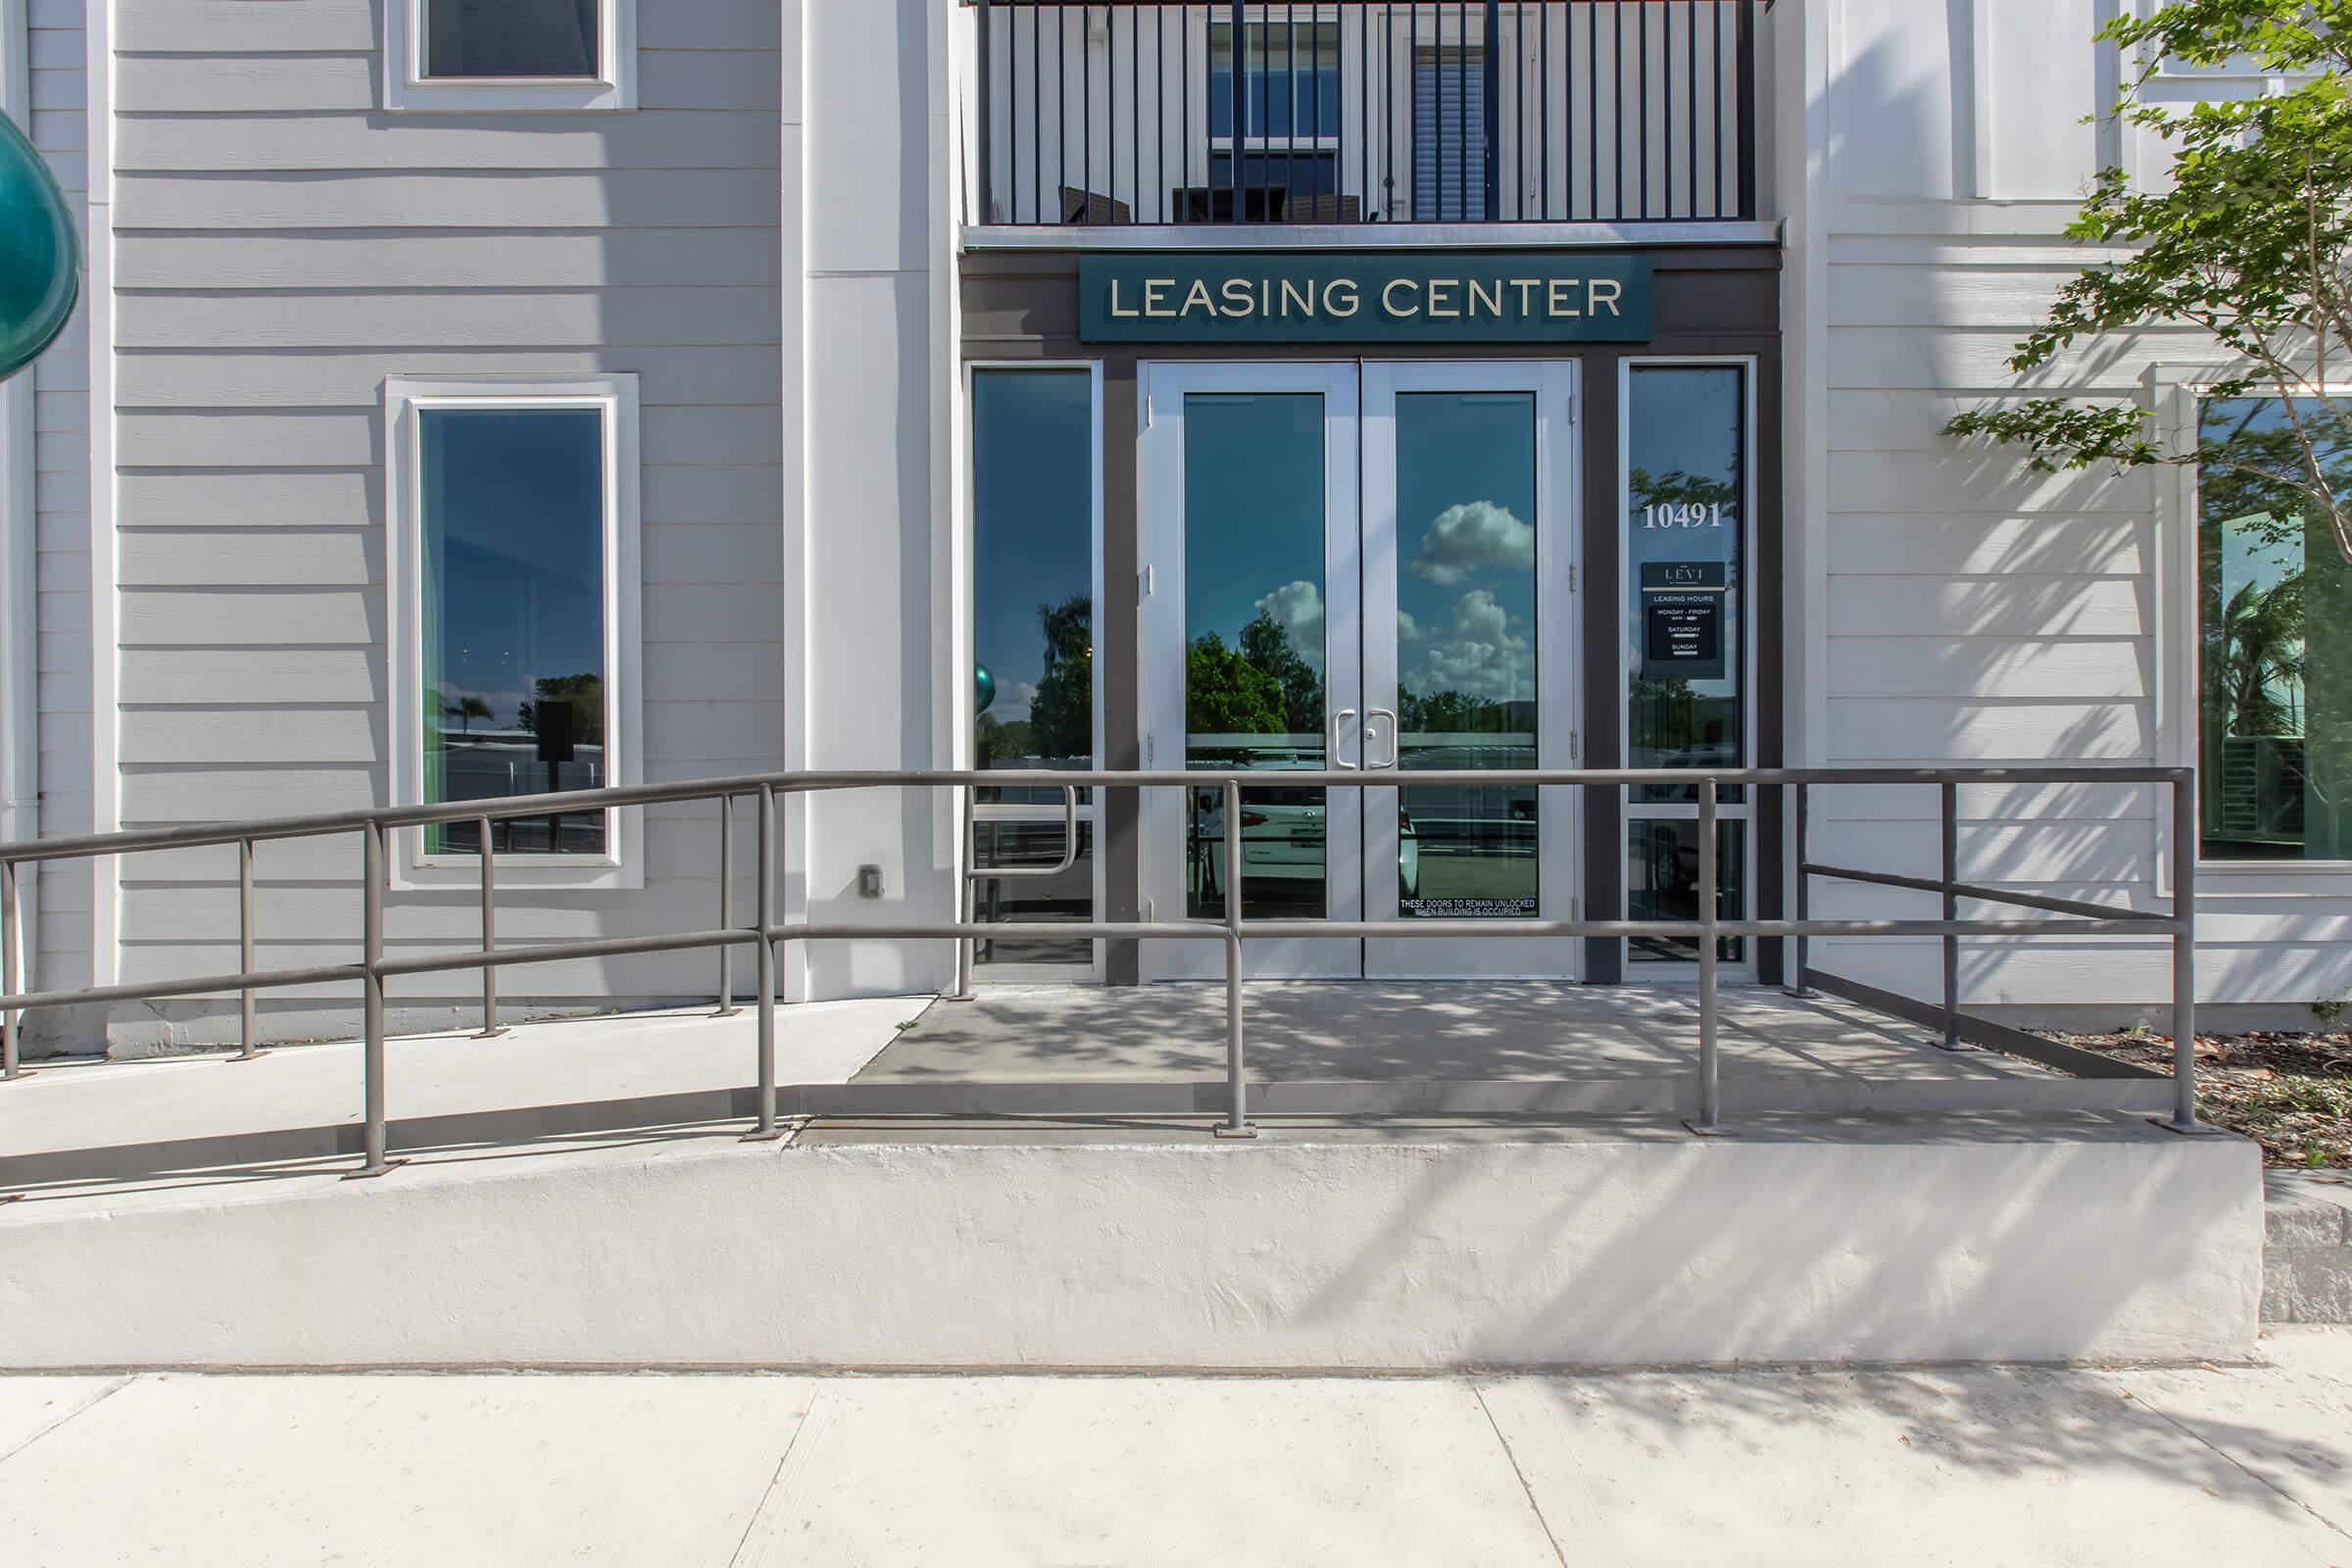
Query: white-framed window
x,y
511,628
469,55
2272,643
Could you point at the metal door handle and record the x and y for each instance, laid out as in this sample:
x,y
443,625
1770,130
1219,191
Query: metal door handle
x,y
1336,759
1395,740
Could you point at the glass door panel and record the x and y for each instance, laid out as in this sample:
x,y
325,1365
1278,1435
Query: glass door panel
x,y
1253,655
1254,645
1414,615
1470,645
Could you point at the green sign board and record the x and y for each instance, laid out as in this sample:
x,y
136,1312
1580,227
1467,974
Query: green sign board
x,y
1372,297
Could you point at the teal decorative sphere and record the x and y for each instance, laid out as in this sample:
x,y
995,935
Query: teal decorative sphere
x,y
985,688
40,259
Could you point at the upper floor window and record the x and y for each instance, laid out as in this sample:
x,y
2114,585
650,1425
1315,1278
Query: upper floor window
x,y
509,54
2274,638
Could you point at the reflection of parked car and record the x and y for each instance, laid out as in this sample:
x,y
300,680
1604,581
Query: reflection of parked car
x,y
1672,856
1284,839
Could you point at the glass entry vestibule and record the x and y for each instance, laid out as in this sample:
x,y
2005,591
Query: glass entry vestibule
x,y
1360,565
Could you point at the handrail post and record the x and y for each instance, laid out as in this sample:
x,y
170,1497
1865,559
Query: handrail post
x,y
1803,945
247,1051
1237,1116
489,857
967,891
764,1128
11,923
371,998
2185,956
1947,817
726,907
1709,1123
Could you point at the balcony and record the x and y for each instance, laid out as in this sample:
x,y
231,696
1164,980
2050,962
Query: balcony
x,y
1362,112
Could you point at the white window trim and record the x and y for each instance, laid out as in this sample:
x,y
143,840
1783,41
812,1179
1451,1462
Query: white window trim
x,y
407,88
616,396
2177,393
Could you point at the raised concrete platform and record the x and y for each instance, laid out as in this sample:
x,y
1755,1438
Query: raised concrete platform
x,y
1133,1241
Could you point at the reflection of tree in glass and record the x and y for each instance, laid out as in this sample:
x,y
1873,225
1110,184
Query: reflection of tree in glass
x,y
1266,644
1060,722
1062,716
2257,652
1225,694
583,694
1452,713
2254,473
465,709
1678,488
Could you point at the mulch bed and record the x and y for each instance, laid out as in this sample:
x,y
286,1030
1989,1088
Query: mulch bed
x,y
2289,1091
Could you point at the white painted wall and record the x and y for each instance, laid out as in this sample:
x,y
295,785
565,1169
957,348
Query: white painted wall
x,y
880,507
1952,604
2119,1243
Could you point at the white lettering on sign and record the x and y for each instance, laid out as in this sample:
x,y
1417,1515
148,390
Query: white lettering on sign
x,y
1304,298
1687,514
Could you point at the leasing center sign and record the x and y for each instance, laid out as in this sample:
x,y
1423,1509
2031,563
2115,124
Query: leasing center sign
x,y
1495,297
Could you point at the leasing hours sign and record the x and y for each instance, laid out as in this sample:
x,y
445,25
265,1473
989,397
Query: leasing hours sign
x,y
1496,297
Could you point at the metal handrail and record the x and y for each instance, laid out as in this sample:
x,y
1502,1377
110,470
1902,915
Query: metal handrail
x,y
373,967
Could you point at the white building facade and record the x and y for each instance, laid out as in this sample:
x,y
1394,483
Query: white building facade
x,y
475,397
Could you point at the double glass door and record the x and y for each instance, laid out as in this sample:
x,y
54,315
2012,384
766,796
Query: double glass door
x,y
1360,566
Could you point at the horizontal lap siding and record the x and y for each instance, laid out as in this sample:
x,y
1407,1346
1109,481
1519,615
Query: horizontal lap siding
x,y
1979,612
282,247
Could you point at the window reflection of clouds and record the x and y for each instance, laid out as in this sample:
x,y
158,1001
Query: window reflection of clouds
x,y
1465,490
1466,650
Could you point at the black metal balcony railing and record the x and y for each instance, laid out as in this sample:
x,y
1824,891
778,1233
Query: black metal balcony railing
x,y
1364,110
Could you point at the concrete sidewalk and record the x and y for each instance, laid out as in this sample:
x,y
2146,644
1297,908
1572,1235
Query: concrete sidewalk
x,y
1989,1465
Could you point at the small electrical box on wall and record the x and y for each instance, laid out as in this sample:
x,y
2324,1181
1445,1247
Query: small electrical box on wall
x,y
869,881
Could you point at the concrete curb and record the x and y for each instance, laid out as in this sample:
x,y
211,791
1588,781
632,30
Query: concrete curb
x,y
2307,1247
